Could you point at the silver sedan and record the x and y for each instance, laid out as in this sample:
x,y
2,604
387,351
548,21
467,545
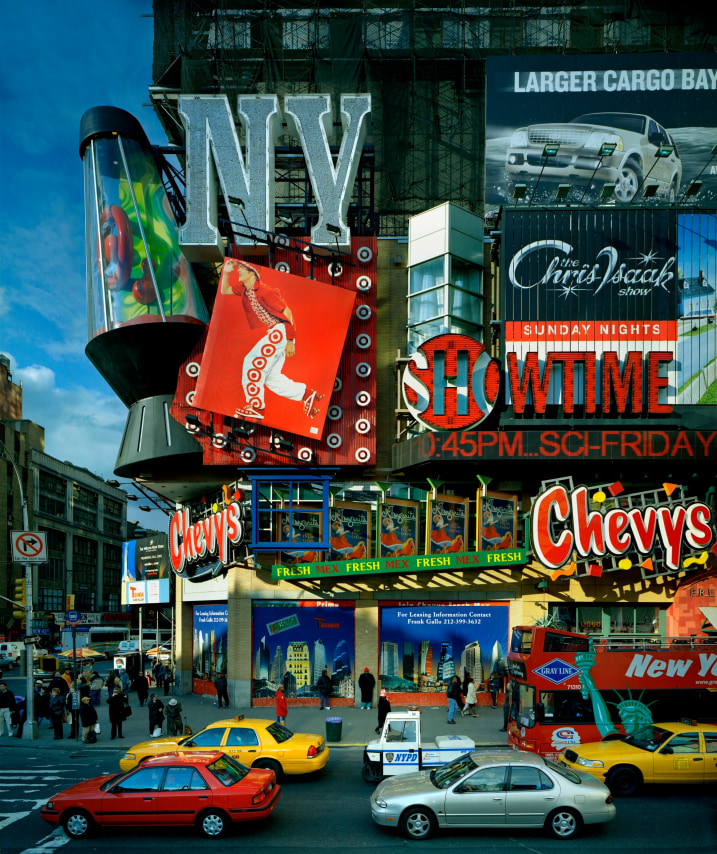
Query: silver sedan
x,y
493,790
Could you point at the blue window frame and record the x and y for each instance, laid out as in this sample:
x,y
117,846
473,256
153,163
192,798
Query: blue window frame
x,y
280,496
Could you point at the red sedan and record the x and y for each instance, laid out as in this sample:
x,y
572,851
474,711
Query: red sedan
x,y
209,791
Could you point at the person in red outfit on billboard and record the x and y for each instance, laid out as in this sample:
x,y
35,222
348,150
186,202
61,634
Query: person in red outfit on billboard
x,y
268,315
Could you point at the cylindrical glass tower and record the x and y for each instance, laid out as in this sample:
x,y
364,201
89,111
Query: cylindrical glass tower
x,y
145,310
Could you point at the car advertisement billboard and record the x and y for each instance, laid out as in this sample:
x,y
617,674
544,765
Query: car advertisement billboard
x,y
588,121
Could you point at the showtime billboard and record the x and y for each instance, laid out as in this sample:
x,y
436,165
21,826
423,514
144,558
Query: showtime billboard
x,y
636,104
607,312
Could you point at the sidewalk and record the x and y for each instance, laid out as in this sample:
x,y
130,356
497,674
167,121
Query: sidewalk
x,y
357,727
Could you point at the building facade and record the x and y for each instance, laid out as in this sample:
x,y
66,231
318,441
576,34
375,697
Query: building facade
x,y
515,425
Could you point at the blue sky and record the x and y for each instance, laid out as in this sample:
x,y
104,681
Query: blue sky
x,y
59,59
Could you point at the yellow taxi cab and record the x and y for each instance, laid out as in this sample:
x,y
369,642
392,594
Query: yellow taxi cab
x,y
254,742
679,752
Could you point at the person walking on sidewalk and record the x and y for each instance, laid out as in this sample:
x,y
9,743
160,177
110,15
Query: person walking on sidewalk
x,y
56,711
156,715
141,686
281,707
384,707
174,717
325,687
88,719
506,708
494,686
7,707
470,697
116,704
96,685
220,683
366,685
453,693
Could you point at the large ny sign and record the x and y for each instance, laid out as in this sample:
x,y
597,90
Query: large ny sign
x,y
214,160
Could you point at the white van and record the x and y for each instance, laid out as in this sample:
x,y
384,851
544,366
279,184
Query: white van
x,y
12,649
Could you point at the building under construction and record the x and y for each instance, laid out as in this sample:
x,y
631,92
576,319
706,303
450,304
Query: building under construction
x,y
423,64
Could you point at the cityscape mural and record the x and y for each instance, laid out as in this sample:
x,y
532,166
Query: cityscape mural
x,y
294,642
424,644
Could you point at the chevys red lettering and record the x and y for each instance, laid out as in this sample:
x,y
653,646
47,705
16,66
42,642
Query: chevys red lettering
x,y
192,542
563,523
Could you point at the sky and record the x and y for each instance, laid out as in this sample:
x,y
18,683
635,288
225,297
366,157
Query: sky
x,y
57,60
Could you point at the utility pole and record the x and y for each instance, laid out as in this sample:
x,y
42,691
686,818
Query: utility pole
x,y
29,731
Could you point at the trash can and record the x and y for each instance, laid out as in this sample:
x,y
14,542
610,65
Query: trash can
x,y
333,729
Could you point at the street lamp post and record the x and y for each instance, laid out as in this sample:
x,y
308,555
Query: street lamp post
x,y
29,731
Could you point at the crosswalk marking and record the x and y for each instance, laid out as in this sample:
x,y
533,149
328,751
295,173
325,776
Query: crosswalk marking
x,y
56,839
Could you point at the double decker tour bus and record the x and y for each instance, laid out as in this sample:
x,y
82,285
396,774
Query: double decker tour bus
x,y
567,688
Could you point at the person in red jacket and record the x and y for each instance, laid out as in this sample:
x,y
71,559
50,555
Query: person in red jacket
x,y
272,322
281,707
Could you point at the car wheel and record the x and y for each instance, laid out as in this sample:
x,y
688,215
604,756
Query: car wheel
x,y
417,823
672,195
624,780
77,823
269,765
628,181
370,773
563,823
212,824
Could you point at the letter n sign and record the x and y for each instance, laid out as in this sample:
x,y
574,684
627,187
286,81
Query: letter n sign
x,y
451,383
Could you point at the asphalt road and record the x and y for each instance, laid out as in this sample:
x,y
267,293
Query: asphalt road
x,y
330,812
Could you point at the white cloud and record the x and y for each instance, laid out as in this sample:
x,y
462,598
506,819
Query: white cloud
x,y
82,425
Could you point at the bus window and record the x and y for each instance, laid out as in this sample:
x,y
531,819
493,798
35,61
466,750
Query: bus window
x,y
562,643
571,707
521,640
547,698
526,706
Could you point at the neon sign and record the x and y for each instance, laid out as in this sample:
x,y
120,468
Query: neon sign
x,y
191,543
564,528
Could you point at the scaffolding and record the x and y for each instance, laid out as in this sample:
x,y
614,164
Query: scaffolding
x,y
422,63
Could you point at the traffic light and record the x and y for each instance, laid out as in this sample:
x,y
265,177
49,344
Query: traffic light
x,y
20,597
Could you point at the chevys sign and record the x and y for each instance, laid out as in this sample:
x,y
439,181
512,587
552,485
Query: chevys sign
x,y
566,528
195,542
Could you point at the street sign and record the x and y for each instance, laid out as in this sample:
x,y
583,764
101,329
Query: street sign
x,y
29,547
32,639
72,618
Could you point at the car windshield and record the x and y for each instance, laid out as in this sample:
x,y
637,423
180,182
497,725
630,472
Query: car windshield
x,y
279,732
564,772
648,738
621,121
227,771
110,782
444,777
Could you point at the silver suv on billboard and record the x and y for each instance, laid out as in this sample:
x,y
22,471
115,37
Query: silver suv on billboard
x,y
632,166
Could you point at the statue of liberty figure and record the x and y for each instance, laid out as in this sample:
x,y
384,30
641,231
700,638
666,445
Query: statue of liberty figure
x,y
633,713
